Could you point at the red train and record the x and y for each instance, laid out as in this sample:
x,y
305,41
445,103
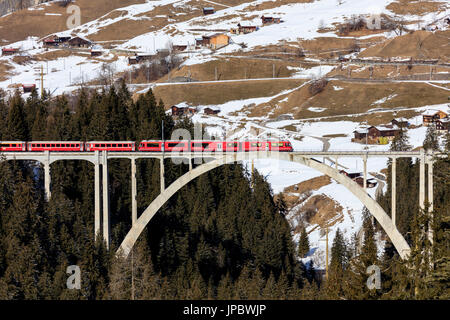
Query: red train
x,y
147,145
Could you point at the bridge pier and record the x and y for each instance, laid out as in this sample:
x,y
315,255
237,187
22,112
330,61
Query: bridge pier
x,y
161,175
365,172
133,192
47,181
97,218
394,190
105,199
430,199
422,180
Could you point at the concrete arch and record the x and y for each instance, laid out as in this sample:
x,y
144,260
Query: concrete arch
x,y
375,209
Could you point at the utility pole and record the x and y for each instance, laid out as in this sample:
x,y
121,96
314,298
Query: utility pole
x,y
132,273
42,81
326,252
273,70
253,170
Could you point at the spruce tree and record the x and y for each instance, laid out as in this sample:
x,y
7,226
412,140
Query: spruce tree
x,y
303,243
431,141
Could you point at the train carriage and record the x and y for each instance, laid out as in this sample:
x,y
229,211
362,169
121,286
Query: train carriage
x,y
111,146
56,146
13,146
281,146
151,145
176,145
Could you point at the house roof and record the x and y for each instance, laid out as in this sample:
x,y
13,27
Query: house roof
x,y
385,127
96,48
81,37
400,119
208,8
432,112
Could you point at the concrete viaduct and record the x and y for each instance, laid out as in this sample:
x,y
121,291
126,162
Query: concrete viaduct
x,y
209,161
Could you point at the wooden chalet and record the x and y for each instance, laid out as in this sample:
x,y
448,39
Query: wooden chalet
x,y
28,87
431,116
351,175
443,124
181,111
211,111
400,122
270,20
208,10
388,131
96,51
79,42
55,40
9,51
214,41
51,41
244,29
132,60
360,133
179,47
145,57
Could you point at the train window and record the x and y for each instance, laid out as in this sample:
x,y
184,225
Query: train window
x,y
276,144
175,144
196,145
114,145
206,145
152,145
102,145
232,144
256,144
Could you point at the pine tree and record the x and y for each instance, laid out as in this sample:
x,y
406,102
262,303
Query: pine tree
x,y
303,243
431,141
17,121
400,142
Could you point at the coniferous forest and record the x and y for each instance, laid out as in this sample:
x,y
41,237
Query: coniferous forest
x,y
223,236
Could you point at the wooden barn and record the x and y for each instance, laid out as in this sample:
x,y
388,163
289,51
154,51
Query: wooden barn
x,y
400,122
215,41
208,10
443,125
96,51
211,111
270,20
179,47
182,111
244,29
28,87
79,42
132,60
388,131
9,51
360,133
